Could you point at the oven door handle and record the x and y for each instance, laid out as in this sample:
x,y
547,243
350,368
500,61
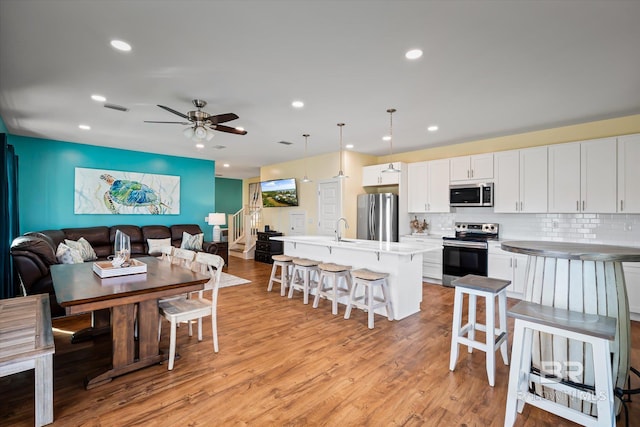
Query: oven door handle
x,y
474,245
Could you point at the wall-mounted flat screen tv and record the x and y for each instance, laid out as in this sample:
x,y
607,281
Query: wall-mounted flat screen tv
x,y
279,193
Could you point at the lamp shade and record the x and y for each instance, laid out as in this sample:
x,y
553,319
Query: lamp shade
x,y
217,219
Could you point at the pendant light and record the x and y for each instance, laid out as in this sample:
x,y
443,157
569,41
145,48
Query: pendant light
x,y
391,168
341,174
305,179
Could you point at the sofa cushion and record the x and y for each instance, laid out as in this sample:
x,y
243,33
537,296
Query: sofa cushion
x,y
155,245
177,230
67,255
84,247
36,245
193,243
98,237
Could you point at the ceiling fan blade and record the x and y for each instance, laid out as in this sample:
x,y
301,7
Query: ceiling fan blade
x,y
173,123
222,118
228,129
171,110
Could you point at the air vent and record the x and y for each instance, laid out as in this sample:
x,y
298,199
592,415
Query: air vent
x,y
219,147
285,142
116,107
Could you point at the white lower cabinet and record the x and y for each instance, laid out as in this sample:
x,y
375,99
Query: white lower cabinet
x,y
508,266
432,260
632,280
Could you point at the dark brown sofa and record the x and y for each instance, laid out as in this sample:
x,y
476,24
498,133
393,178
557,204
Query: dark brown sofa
x,y
34,252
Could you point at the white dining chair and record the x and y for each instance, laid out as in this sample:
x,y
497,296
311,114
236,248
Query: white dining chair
x,y
166,253
195,308
182,257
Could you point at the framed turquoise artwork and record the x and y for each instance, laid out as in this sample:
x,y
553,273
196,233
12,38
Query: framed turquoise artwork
x,y
100,191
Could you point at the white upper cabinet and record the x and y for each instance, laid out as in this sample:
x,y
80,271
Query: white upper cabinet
x,y
521,180
471,168
428,186
374,175
628,174
564,178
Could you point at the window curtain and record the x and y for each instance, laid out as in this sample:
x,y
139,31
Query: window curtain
x,y
9,221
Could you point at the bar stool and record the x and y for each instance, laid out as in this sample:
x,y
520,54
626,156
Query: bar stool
x,y
370,280
332,290
286,265
301,277
488,288
588,328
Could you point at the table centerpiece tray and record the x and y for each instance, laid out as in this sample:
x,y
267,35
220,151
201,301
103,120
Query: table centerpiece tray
x,y
106,269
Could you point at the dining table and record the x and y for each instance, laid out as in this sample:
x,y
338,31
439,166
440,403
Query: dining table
x,y
133,302
585,278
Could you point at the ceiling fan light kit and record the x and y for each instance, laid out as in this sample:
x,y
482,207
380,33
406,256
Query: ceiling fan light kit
x,y
203,123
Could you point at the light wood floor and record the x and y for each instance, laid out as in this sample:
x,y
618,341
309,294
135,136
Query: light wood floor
x,y
284,363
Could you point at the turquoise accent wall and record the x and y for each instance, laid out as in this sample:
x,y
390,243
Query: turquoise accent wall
x,y
47,174
228,195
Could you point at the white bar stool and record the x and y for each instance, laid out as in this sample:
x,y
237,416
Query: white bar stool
x,y
301,277
488,288
285,262
332,290
589,328
370,280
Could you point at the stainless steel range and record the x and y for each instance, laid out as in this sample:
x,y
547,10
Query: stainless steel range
x,y
467,252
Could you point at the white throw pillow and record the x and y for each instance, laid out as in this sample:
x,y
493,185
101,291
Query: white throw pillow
x,y
84,247
193,243
156,244
67,255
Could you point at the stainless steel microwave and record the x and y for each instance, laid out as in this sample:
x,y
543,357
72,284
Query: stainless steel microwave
x,y
471,194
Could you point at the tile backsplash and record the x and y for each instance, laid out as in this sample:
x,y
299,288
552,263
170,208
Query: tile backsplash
x,y
611,229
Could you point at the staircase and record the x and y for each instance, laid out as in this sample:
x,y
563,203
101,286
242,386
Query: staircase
x,y
243,232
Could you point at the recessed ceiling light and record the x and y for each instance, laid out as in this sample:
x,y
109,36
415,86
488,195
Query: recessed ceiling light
x,y
84,127
121,45
240,128
226,165
432,128
297,104
348,146
413,54
386,138
98,98
200,145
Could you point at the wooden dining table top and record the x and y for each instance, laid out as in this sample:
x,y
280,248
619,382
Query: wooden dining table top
x,y
77,284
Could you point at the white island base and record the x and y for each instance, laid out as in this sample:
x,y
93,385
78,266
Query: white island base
x,y
402,261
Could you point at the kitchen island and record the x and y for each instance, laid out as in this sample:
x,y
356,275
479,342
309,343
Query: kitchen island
x,y
402,261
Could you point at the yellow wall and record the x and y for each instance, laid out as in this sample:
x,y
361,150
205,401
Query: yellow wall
x,y
326,166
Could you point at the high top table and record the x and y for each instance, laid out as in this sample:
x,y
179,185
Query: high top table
x,y
585,278
80,290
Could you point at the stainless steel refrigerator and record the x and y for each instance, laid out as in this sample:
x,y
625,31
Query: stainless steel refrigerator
x,y
378,217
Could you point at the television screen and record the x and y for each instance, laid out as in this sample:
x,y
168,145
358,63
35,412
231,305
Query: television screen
x,y
279,192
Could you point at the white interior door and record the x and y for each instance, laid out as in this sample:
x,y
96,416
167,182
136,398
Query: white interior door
x,y
329,205
297,222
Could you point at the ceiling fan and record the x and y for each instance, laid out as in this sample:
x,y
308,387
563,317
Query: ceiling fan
x,y
202,122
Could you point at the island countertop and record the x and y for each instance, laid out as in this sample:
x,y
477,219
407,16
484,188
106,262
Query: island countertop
x,y
356,244
575,251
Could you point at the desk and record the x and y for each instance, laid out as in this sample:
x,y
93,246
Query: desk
x,y
580,277
26,342
79,290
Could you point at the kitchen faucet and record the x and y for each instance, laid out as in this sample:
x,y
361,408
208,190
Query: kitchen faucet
x,y
346,226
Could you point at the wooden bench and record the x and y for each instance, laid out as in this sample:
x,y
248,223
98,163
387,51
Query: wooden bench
x,y
26,342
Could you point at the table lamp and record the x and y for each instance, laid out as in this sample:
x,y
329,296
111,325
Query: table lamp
x,y
216,219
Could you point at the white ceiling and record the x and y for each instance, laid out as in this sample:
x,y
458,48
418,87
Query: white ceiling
x,y
490,68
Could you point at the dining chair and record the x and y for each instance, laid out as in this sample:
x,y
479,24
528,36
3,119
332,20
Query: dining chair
x,y
182,257
166,253
195,308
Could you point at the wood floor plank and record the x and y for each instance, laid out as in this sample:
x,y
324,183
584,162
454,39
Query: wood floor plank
x,y
284,363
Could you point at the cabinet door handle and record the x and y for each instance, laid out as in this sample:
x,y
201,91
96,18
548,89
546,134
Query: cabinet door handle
x,y
468,174
471,173
428,206
515,263
520,206
577,205
583,205
516,206
621,206
510,262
